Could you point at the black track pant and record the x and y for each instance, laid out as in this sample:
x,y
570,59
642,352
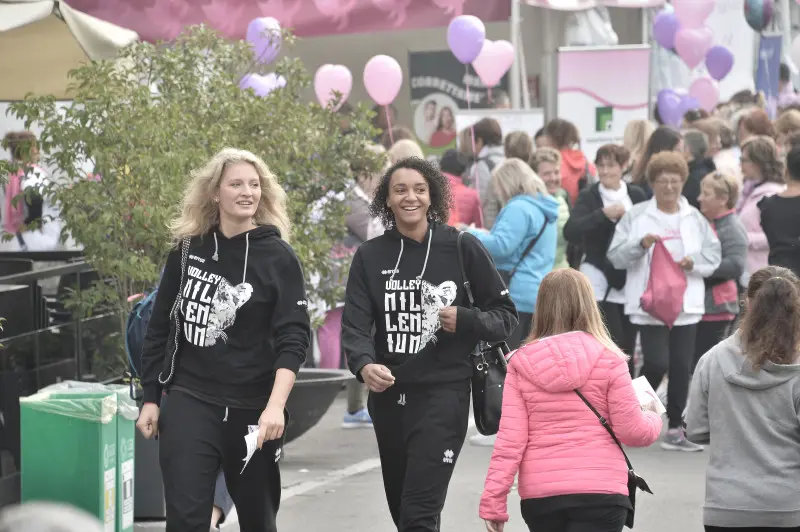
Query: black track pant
x,y
420,432
589,519
709,334
622,331
194,439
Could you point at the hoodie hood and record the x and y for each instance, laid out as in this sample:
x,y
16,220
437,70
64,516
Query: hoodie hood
x,y
738,370
235,244
574,160
544,202
559,363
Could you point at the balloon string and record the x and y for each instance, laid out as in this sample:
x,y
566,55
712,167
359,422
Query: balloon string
x,y
490,96
475,176
389,123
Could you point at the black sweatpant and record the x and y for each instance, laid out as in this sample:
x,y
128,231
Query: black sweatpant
x,y
669,352
622,331
751,529
420,432
194,439
589,519
709,334
521,331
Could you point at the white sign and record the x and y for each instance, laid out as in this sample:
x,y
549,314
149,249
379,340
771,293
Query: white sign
x,y
527,120
647,395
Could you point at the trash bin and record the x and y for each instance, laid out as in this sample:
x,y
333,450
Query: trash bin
x,y
78,448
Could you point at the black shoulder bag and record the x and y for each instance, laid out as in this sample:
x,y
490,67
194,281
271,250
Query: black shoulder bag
x,y
489,367
634,480
508,275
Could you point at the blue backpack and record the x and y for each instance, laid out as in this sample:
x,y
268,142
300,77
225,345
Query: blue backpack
x,y
135,331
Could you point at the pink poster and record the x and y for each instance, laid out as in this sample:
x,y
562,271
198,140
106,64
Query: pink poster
x,y
156,20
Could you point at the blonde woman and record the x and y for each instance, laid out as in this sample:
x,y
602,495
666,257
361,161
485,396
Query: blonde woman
x,y
572,475
228,334
403,149
523,238
546,162
635,138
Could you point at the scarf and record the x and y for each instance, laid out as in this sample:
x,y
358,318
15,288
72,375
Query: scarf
x,y
612,197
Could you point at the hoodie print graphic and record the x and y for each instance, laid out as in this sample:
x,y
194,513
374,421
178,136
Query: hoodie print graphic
x,y
411,312
207,316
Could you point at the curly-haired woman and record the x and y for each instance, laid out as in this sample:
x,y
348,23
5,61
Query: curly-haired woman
x,y
228,333
762,170
744,399
408,329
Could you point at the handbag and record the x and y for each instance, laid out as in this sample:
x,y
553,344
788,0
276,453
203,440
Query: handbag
x,y
507,275
666,286
489,368
634,481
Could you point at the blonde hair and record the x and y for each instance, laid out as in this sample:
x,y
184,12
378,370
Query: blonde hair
x,y
565,303
403,149
788,122
199,213
545,155
635,138
513,178
723,185
518,144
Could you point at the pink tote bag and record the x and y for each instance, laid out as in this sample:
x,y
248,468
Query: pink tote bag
x,y
663,297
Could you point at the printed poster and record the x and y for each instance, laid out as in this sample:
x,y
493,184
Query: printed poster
x,y
440,86
768,70
601,89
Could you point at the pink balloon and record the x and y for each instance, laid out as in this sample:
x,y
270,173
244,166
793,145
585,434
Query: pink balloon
x,y
692,44
692,13
494,61
706,91
383,79
330,78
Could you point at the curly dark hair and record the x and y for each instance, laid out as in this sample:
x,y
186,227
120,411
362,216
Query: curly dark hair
x,y
438,184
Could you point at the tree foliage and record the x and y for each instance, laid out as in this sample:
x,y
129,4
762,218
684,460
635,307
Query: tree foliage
x,y
137,128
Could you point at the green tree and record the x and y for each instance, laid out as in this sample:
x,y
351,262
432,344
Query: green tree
x,y
137,128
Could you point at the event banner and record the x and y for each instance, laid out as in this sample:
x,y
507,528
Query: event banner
x,y
601,89
768,70
440,85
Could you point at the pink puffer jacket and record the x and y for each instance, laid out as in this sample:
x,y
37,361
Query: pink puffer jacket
x,y
548,434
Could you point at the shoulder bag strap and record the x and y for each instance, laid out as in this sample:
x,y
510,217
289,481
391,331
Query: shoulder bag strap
x,y
530,245
467,286
604,422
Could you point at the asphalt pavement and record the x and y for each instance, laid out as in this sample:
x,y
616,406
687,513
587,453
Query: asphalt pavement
x,y
332,482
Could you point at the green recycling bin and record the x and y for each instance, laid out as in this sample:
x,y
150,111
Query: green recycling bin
x,y
77,447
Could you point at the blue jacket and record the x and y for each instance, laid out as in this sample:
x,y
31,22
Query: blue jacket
x,y
518,222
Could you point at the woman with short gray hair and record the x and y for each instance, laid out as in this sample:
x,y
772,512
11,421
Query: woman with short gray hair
x,y
695,149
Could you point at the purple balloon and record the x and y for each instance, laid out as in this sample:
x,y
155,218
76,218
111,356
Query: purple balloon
x,y
719,62
262,85
672,105
264,35
465,36
665,27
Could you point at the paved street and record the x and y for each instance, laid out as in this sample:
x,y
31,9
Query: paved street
x,y
332,482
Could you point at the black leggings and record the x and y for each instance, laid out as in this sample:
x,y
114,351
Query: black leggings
x,y
709,334
622,331
751,529
589,519
195,438
521,331
669,351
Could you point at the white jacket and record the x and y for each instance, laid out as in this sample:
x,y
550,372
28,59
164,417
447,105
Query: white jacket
x,y
626,253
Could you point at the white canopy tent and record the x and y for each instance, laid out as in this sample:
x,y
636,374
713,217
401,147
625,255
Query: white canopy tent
x,y
41,40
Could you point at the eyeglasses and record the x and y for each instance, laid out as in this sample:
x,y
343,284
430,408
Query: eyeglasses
x,y
668,182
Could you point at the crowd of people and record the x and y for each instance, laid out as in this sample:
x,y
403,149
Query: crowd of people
x,y
510,237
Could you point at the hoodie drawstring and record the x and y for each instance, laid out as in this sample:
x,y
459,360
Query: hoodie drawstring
x,y
246,252
225,419
215,256
424,265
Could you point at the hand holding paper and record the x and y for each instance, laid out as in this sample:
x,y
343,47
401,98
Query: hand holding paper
x,y
251,441
648,397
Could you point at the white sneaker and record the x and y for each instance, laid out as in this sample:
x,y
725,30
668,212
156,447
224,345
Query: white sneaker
x,y
483,441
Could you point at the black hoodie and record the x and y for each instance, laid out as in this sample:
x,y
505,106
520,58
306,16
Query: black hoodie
x,y
398,285
243,314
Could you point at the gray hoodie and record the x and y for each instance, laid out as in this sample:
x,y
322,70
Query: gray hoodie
x,y
754,469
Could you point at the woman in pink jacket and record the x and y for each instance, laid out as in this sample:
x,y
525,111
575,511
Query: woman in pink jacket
x,y
763,170
572,476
